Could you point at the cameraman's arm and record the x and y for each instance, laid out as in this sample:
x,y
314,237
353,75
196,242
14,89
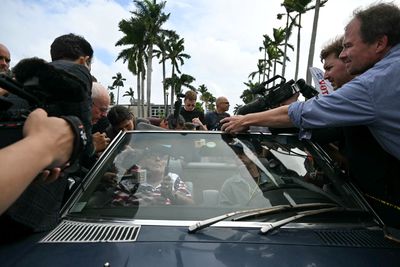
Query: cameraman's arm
x,y
48,143
277,118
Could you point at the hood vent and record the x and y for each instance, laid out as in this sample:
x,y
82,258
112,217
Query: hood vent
x,y
81,232
356,238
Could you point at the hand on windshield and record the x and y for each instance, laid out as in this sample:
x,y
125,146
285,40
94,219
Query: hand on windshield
x,y
233,124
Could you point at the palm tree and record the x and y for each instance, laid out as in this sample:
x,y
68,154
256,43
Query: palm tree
x,y
141,33
153,18
290,21
175,54
134,38
301,7
207,98
131,95
161,53
267,61
274,51
118,82
177,82
112,98
260,70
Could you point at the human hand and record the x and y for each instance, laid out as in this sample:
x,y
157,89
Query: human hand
x,y
197,122
233,124
55,133
100,141
49,176
110,178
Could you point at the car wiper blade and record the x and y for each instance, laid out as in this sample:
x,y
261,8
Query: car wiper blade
x,y
288,207
205,223
274,225
251,212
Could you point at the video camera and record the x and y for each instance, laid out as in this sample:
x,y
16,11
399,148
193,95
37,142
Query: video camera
x,y
275,95
61,88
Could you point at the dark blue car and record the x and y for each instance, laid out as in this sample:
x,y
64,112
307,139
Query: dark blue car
x,y
173,198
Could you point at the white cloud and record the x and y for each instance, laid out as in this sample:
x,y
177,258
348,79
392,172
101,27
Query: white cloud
x,y
222,36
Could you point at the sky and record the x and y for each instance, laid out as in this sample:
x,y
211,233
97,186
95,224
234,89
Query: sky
x,y
221,36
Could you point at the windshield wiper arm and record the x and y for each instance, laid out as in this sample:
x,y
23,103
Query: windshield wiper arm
x,y
252,212
291,207
205,223
271,226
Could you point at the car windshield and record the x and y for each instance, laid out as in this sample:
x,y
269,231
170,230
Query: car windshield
x,y
171,175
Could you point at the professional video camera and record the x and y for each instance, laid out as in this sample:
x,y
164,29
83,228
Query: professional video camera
x,y
273,96
61,88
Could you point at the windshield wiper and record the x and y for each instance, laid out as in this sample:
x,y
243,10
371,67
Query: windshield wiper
x,y
271,226
253,212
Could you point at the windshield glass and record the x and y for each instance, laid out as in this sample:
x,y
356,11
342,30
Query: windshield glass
x,y
196,175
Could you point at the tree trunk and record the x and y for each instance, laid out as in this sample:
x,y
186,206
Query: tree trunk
x,y
172,90
164,89
117,95
142,88
312,42
298,49
139,94
149,71
286,44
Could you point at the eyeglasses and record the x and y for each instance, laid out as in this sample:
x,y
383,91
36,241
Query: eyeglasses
x,y
102,109
225,103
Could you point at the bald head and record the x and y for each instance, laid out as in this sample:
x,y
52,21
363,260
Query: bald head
x,y
100,102
222,104
5,58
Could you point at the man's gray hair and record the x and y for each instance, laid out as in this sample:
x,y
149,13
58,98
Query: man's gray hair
x,y
98,90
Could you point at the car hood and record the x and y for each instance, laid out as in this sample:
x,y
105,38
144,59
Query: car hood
x,y
214,246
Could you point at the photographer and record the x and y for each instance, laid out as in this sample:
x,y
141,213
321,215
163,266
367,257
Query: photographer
x,y
47,144
189,111
372,51
366,107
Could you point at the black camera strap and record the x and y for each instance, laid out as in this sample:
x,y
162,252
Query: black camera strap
x,y
80,141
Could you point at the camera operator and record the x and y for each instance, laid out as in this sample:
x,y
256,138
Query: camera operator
x,y
360,148
372,51
363,105
47,144
66,86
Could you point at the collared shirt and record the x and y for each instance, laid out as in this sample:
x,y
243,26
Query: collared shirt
x,y
371,99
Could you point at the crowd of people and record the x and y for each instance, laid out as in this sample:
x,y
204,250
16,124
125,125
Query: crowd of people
x,y
363,108
358,122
